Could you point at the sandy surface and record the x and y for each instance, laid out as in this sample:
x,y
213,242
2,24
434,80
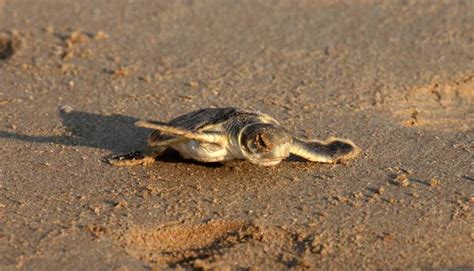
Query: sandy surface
x,y
397,77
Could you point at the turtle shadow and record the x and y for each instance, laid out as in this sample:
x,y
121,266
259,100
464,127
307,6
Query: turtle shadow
x,y
115,133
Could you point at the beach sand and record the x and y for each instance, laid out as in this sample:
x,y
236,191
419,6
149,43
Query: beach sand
x,y
396,77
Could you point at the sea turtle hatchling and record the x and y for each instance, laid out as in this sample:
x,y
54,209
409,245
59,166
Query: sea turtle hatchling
x,y
223,134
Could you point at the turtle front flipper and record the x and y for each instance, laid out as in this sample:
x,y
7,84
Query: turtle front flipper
x,y
205,136
135,158
332,150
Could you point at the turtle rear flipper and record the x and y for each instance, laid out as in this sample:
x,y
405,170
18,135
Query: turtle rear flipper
x,y
205,136
332,150
135,158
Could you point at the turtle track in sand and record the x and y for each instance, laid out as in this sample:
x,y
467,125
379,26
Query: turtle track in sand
x,y
182,243
209,244
444,105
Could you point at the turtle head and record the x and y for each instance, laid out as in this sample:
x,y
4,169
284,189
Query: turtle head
x,y
265,144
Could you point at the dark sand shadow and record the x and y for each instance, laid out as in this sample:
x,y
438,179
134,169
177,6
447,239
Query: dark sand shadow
x,y
468,178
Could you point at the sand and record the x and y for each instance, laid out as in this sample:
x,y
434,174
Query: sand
x,y
396,77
